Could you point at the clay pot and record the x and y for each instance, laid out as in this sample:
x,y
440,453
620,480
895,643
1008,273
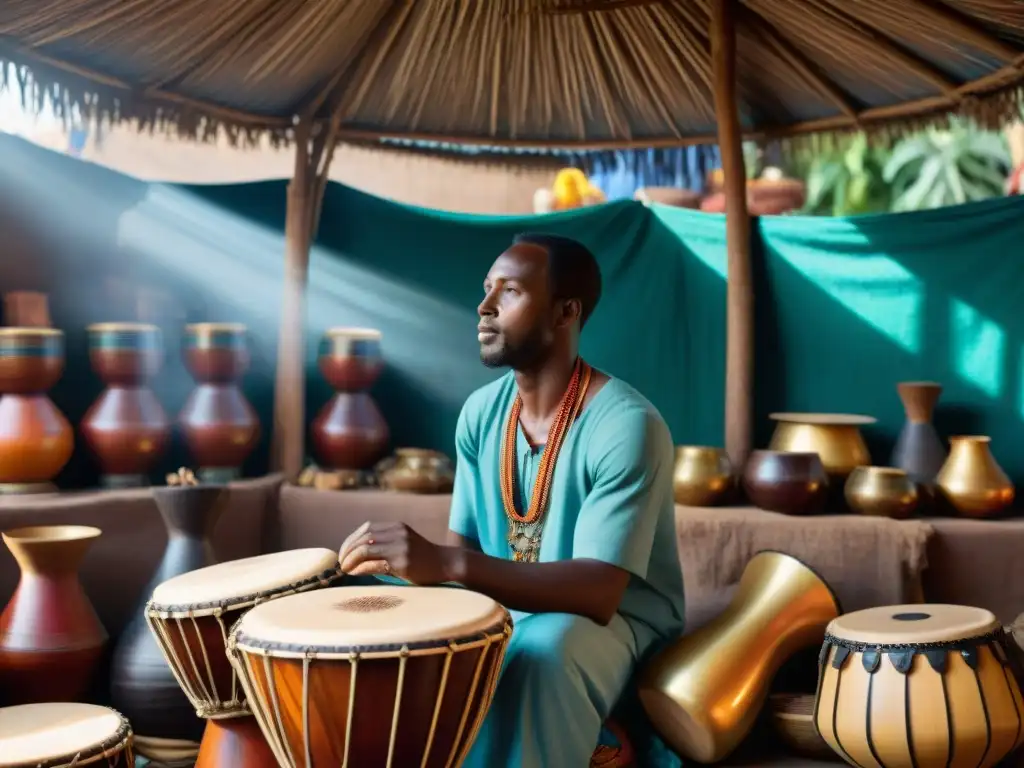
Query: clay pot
x,y
919,450
350,432
971,482
416,470
221,428
882,492
126,428
703,476
790,483
36,441
765,197
50,637
143,687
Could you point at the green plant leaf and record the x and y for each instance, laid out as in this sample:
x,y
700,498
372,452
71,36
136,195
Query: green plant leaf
x,y
954,184
905,157
821,183
915,197
983,173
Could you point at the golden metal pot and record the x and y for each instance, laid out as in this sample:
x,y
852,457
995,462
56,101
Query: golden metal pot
x,y
703,476
835,437
881,492
416,470
704,692
971,481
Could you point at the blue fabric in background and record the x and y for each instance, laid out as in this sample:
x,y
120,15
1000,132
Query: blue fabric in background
x,y
620,174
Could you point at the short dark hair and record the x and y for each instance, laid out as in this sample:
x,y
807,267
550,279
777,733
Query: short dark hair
x,y
572,269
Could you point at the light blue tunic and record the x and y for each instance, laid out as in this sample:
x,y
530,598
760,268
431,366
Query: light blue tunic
x,y
611,500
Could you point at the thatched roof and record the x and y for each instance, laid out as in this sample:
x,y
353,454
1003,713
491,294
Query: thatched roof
x,y
526,72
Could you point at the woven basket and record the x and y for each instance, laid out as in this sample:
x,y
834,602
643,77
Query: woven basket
x,y
792,716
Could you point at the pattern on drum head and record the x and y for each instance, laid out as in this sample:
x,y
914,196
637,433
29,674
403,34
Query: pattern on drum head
x,y
911,616
369,604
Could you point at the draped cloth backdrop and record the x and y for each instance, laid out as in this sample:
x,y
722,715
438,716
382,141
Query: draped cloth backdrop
x,y
847,307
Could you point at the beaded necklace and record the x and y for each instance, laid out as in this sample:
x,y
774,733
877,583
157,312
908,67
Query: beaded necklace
x,y
524,530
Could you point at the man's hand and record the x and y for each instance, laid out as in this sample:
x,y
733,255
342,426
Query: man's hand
x,y
392,549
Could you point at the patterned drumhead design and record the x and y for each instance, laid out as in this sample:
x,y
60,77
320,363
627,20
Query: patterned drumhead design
x,y
354,617
370,604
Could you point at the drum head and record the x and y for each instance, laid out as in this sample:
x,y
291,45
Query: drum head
x,y
39,734
369,617
912,624
233,582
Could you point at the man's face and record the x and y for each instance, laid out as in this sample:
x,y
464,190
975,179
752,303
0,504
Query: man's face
x,y
516,322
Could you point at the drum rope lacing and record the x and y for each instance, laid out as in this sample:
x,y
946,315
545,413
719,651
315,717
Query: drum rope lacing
x,y
267,709
203,693
568,410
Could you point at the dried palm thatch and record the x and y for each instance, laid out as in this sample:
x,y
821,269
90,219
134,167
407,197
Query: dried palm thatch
x,y
597,73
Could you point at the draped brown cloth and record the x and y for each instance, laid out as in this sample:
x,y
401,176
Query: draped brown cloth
x,y
121,561
868,561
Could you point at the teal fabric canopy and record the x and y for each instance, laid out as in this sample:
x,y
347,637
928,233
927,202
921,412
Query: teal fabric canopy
x,y
846,308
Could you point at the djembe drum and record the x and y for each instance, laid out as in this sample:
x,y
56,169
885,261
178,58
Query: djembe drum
x,y
64,736
919,686
191,616
382,676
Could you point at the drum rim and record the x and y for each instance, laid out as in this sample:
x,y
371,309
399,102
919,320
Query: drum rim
x,y
214,607
240,641
994,634
113,744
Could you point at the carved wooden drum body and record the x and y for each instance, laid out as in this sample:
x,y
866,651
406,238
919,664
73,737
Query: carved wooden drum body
x,y
191,617
64,736
382,676
919,686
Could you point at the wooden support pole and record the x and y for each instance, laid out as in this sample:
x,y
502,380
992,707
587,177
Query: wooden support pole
x,y
314,149
739,344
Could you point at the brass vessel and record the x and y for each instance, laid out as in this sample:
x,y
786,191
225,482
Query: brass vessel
x,y
835,437
416,470
704,692
881,492
971,481
703,476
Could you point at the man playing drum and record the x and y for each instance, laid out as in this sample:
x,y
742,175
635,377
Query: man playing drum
x,y
562,512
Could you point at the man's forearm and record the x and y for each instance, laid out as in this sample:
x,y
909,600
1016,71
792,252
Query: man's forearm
x,y
586,588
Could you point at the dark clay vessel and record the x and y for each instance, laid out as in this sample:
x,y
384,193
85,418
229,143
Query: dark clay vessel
x,y
143,687
790,483
220,427
126,428
919,450
350,432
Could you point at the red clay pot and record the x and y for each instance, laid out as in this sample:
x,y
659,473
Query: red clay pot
x,y
350,432
126,428
221,428
50,637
